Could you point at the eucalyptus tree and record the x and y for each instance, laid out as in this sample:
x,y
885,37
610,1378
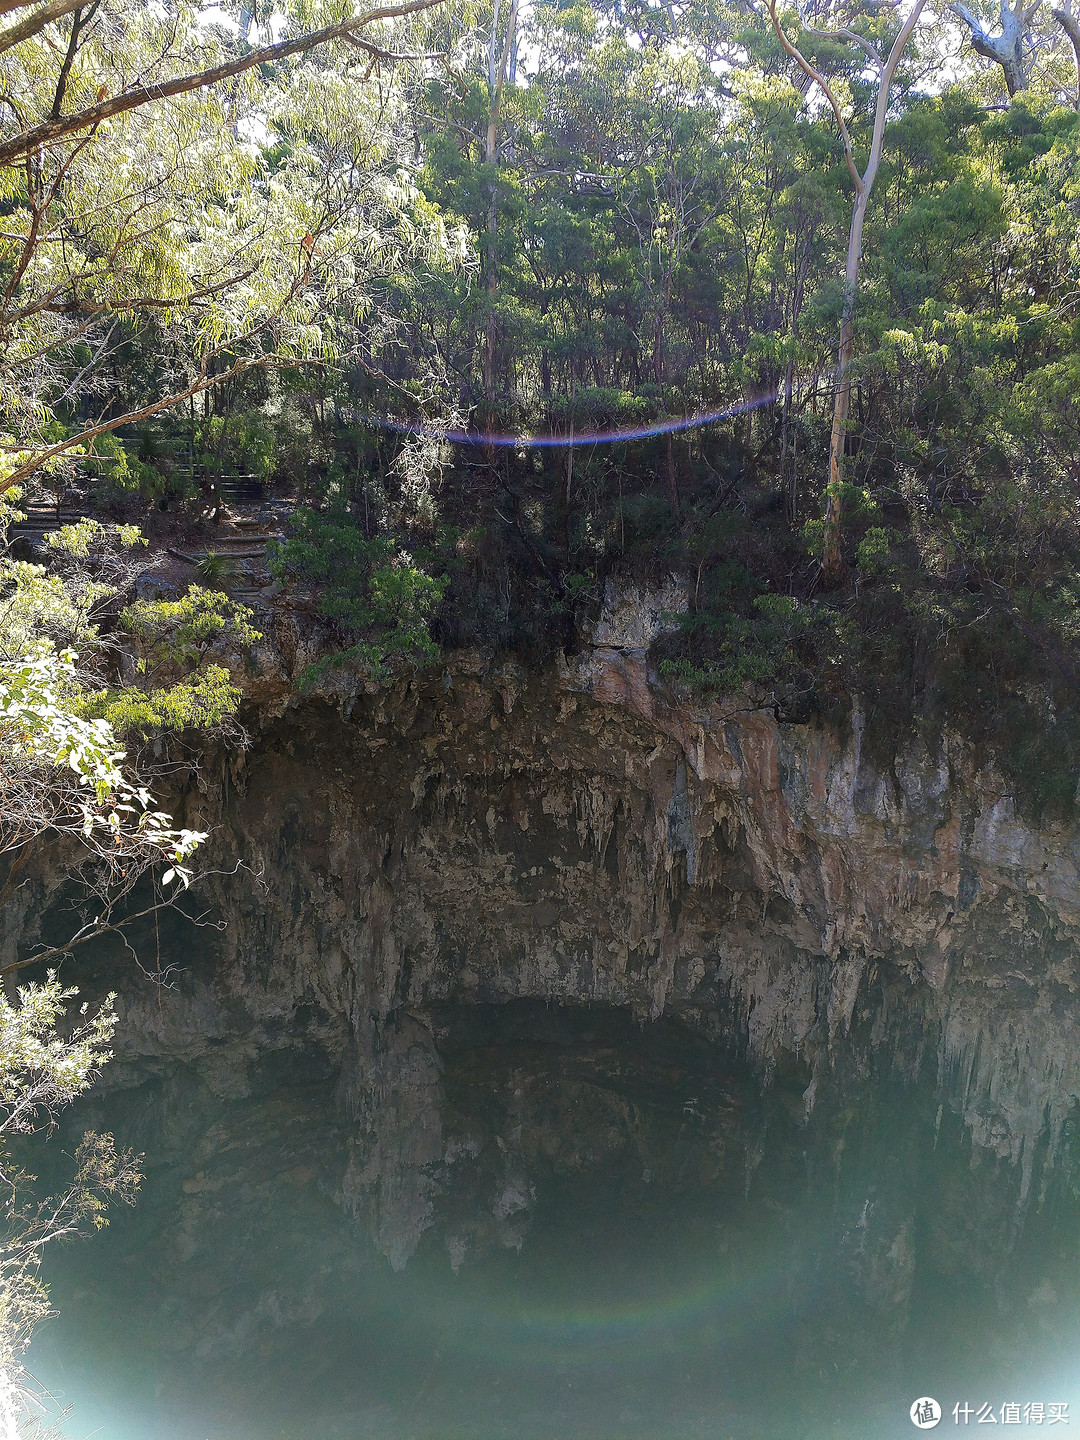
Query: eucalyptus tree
x,y
1032,45
38,128
501,46
875,48
1011,48
1067,16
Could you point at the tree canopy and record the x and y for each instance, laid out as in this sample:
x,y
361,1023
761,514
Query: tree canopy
x,y
505,297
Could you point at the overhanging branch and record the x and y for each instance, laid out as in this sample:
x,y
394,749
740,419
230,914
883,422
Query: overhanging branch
x,y
50,131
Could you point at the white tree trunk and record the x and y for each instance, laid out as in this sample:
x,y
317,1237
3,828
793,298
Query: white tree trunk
x,y
1006,49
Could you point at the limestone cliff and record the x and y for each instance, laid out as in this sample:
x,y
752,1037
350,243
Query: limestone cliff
x,y
583,836
818,926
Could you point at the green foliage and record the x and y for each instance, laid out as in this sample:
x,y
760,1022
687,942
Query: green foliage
x,y
206,702
68,601
874,551
331,551
243,443
164,247
40,1070
761,654
117,475
182,632
45,1064
65,772
366,589
89,539
214,569
67,605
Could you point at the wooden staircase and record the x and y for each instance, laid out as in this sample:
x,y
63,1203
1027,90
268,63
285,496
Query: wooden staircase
x,y
242,543
241,490
42,517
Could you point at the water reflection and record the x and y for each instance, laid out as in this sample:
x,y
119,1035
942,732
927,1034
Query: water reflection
x,y
688,1271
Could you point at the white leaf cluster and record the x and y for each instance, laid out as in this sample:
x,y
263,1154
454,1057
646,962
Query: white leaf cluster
x,y
59,771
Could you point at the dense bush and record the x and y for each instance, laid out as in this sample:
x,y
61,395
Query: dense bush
x,y
380,602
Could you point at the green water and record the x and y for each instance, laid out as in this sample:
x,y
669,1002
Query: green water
x,y
663,1287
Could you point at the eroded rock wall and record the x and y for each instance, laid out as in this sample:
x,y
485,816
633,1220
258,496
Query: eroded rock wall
x,y
583,837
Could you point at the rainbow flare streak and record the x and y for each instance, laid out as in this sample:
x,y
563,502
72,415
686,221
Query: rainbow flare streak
x,y
511,440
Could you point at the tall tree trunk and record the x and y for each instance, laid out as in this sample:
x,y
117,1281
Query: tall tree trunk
x,y
1015,79
1071,25
658,376
496,81
832,560
491,280
1006,49
787,484
672,481
490,333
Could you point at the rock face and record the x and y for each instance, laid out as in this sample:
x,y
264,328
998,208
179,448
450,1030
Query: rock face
x,y
580,837
821,929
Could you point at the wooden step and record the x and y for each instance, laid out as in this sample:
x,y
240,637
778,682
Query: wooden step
x,y
233,554
42,519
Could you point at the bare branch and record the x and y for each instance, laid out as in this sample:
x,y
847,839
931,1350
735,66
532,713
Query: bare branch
x,y
105,925
817,78
842,34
